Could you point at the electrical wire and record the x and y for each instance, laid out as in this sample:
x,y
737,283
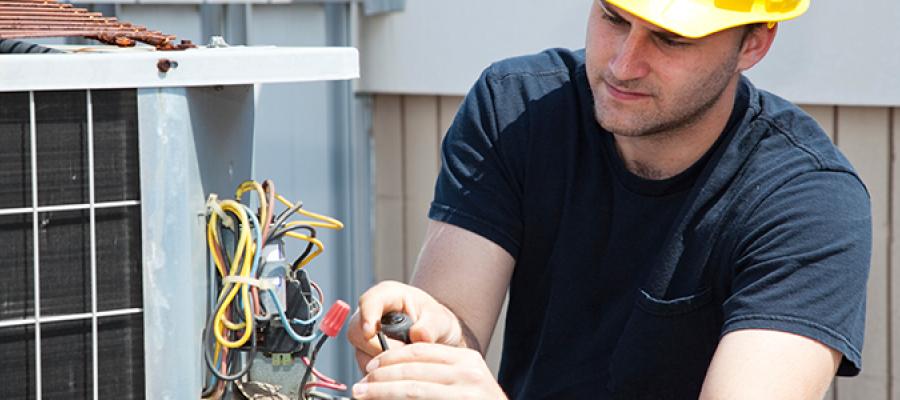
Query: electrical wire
x,y
243,263
284,215
326,385
287,325
236,235
310,367
212,361
265,209
269,189
322,377
319,221
277,235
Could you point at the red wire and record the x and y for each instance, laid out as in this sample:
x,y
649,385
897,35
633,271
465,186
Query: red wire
x,y
318,374
318,290
326,385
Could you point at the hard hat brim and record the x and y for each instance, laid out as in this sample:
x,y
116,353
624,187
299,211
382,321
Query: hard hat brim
x,y
693,19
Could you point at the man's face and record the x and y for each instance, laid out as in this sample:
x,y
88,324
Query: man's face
x,y
646,80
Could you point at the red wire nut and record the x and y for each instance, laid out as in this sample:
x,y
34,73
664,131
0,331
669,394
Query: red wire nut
x,y
334,319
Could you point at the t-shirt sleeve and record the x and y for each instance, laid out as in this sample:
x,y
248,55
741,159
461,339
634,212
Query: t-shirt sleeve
x,y
802,262
478,188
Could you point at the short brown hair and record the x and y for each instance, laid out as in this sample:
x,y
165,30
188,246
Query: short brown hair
x,y
750,28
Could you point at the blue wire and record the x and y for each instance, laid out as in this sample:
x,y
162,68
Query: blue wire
x,y
287,326
258,256
312,319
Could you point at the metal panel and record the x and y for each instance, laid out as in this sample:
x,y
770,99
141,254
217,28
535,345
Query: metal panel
x,y
304,133
197,67
193,142
353,187
894,277
375,7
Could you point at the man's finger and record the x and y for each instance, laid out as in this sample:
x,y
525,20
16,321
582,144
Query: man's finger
x,y
375,302
419,352
423,329
402,390
356,336
362,359
414,371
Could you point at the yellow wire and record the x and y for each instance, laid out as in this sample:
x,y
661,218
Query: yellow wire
x,y
247,186
318,243
326,222
323,222
212,237
241,265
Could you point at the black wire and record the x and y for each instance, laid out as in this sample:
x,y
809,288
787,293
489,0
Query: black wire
x,y
223,253
279,233
284,215
296,265
226,258
312,362
209,344
208,391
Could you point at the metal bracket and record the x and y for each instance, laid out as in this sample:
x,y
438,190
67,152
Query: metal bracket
x,y
377,7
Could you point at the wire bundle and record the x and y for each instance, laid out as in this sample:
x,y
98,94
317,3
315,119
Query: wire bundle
x,y
236,236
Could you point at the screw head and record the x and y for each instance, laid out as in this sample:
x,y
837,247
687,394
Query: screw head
x,y
165,64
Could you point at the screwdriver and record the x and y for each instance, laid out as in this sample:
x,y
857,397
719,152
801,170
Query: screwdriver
x,y
394,325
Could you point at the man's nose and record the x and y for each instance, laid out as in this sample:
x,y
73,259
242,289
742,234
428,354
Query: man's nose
x,y
630,60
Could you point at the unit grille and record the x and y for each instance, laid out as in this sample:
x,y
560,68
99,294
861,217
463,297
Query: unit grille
x,y
71,320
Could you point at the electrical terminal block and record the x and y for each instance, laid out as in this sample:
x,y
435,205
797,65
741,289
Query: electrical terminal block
x,y
282,359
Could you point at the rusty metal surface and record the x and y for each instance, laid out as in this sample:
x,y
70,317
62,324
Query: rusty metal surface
x,y
22,19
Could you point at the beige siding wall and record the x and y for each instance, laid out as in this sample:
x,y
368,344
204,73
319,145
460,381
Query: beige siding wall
x,y
407,132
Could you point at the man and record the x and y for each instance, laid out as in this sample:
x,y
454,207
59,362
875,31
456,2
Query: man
x,y
665,229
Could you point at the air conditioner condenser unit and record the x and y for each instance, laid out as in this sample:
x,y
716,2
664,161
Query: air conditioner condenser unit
x,y
106,161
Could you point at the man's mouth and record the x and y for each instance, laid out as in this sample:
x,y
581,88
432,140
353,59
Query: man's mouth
x,y
622,94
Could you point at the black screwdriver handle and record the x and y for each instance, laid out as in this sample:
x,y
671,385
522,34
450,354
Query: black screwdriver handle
x,y
396,326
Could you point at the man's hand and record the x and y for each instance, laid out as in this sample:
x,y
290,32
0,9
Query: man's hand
x,y
433,322
463,279
428,371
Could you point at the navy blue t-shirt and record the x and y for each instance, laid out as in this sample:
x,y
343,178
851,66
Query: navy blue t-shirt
x,y
623,286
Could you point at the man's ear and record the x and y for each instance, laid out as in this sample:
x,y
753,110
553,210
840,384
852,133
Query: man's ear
x,y
756,45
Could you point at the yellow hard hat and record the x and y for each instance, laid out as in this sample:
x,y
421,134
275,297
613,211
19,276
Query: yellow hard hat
x,y
698,18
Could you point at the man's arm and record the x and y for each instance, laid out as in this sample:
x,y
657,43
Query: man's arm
x,y
466,273
458,289
767,364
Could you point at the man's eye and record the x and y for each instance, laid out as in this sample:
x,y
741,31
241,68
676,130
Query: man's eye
x,y
613,19
672,43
